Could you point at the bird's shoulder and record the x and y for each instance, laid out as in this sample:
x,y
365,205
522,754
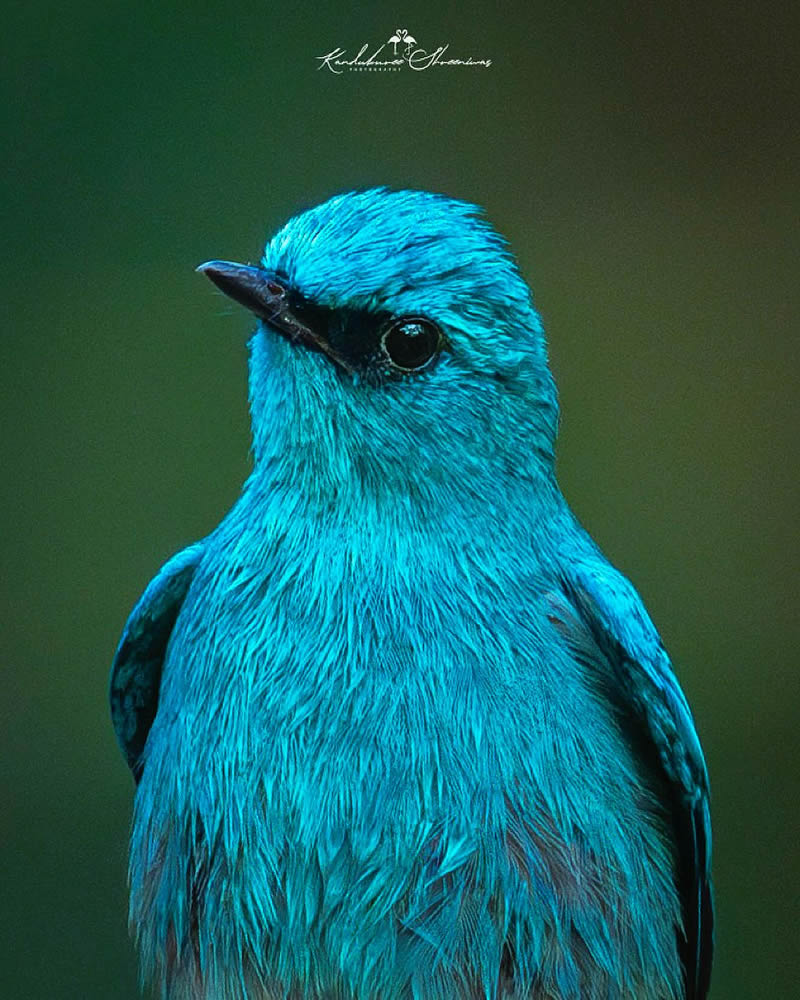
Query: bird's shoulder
x,y
612,611
137,665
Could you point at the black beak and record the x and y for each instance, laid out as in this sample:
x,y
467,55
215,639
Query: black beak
x,y
251,287
260,292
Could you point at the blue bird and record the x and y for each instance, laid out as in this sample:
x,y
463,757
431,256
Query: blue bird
x,y
399,730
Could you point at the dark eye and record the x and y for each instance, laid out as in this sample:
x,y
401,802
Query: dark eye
x,y
411,342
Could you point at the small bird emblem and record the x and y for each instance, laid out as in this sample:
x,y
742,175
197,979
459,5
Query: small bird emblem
x,y
402,37
398,728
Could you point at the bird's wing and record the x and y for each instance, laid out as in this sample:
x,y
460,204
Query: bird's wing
x,y
136,670
654,710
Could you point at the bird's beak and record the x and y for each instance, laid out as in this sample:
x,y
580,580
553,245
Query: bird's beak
x,y
260,292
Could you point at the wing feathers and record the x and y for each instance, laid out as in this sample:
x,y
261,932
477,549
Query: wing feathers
x,y
648,693
138,661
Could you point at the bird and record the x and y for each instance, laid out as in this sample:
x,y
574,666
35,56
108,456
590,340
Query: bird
x,y
398,728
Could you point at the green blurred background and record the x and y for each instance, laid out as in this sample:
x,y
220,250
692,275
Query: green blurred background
x,y
638,156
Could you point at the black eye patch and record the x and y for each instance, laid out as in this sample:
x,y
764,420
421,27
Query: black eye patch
x,y
374,342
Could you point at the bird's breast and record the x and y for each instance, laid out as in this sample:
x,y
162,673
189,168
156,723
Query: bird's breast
x,y
374,758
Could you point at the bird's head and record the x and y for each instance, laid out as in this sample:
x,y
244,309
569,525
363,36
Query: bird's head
x,y
398,350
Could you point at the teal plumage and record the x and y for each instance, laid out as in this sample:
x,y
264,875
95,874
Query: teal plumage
x,y
399,729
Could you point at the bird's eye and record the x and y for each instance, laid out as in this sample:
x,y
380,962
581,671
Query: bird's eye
x,y
411,343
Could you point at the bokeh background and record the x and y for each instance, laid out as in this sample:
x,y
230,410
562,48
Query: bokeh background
x,y
641,159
